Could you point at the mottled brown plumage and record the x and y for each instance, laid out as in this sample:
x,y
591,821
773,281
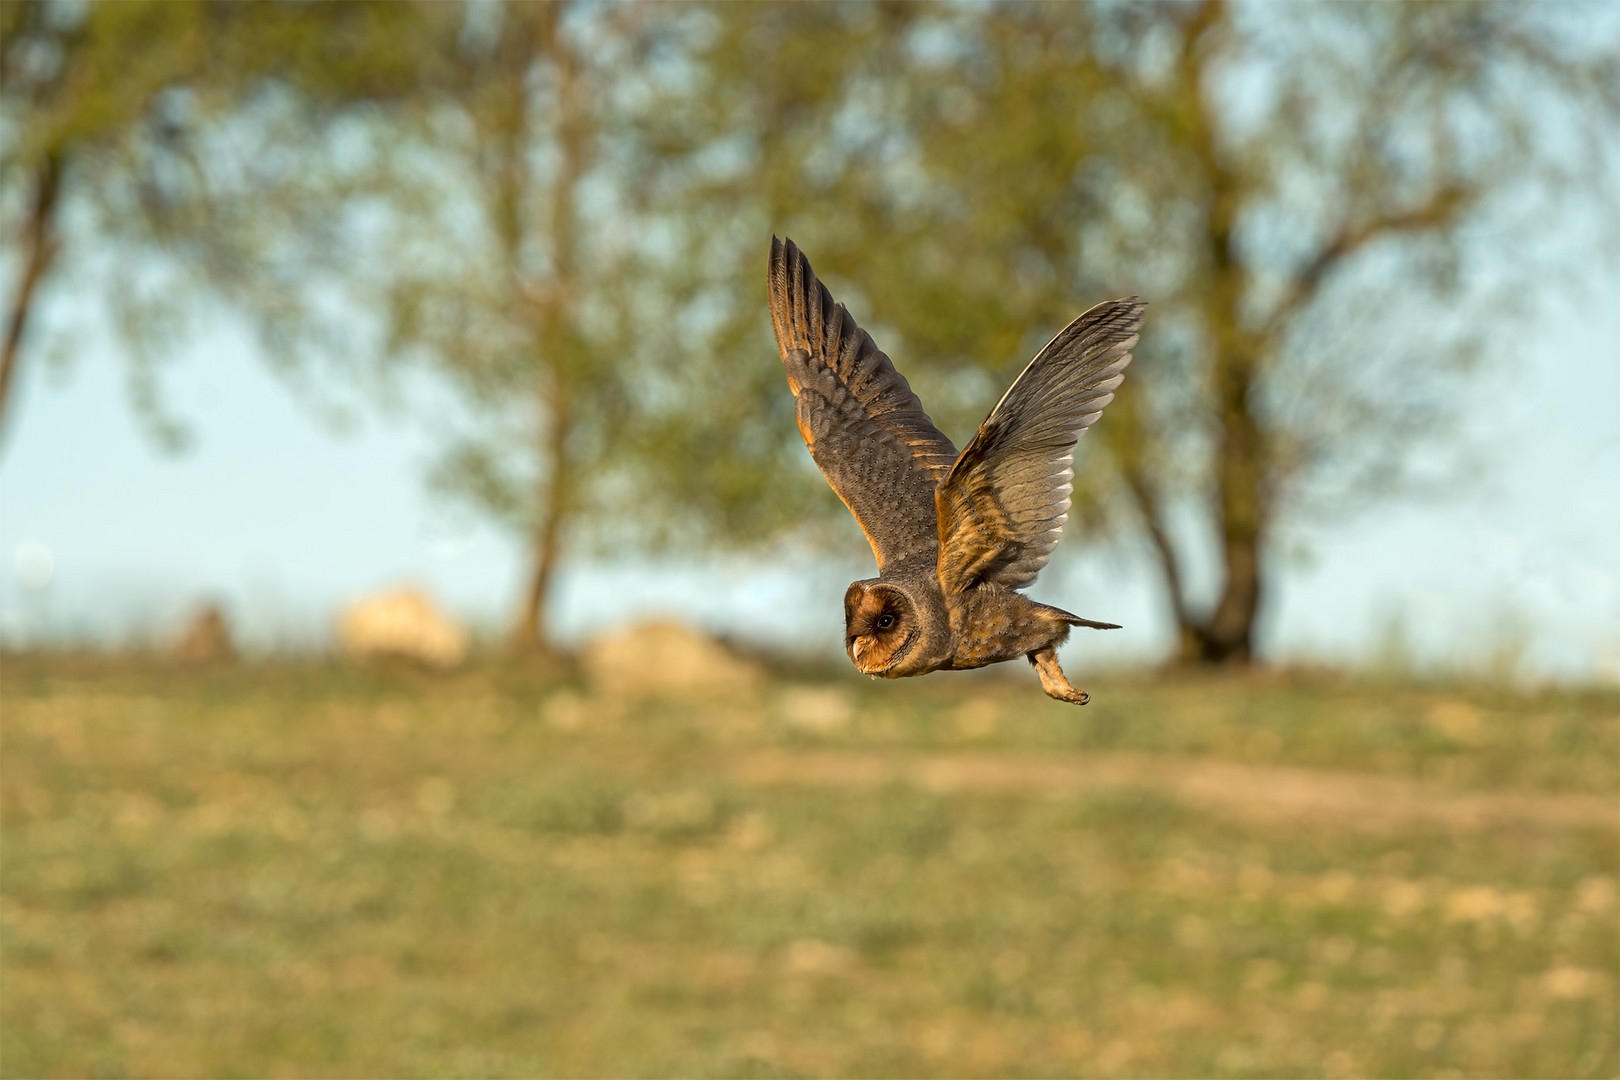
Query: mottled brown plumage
x,y
955,536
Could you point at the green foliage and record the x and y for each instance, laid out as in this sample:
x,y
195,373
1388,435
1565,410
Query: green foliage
x,y
141,112
1293,188
319,871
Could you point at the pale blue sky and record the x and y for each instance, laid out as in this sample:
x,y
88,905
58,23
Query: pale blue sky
x,y
283,520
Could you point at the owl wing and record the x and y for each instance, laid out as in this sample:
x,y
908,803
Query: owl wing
x,y
865,429
1002,506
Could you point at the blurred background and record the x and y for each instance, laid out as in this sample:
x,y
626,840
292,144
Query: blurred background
x,y
420,615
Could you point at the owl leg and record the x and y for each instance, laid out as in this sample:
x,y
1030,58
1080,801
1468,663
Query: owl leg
x,y
1052,678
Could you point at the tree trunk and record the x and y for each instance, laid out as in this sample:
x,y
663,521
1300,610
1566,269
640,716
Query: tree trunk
x,y
1227,636
40,245
558,347
1188,629
532,636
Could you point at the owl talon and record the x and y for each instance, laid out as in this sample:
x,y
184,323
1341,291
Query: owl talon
x,y
1053,681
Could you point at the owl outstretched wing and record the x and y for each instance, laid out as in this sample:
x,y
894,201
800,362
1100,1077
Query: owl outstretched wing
x,y
865,429
1002,506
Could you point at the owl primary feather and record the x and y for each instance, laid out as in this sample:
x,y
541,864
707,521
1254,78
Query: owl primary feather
x,y
955,535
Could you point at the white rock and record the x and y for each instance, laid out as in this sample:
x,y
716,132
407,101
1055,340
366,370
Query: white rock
x,y
402,623
665,657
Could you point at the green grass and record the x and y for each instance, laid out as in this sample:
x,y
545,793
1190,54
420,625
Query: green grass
x,y
307,871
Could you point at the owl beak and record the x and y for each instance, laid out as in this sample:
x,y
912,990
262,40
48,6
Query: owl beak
x,y
857,651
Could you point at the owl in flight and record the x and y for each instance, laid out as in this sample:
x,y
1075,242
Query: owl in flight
x,y
955,535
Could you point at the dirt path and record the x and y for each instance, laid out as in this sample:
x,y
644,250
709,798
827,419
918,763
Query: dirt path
x,y
1342,799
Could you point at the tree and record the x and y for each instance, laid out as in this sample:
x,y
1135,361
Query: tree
x,y
513,228
116,116
500,301
514,251
68,108
1299,191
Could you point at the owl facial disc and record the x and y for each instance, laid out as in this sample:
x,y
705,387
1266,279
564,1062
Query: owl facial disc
x,y
880,626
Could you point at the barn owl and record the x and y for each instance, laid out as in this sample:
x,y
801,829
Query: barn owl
x,y
956,536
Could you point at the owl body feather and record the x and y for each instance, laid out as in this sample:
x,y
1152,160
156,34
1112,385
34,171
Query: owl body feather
x,y
992,623
954,535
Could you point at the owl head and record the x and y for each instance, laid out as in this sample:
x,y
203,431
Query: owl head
x,y
882,627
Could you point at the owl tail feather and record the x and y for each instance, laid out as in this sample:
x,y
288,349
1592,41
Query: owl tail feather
x,y
1075,620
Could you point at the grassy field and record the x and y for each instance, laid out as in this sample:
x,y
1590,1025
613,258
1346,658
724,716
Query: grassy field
x,y
307,871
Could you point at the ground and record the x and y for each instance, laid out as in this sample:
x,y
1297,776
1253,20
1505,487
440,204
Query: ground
x,y
312,871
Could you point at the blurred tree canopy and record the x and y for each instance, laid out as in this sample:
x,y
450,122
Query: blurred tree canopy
x,y
1300,190
117,158
562,211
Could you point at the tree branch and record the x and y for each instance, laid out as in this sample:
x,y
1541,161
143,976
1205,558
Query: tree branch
x,y
1147,504
40,241
1444,206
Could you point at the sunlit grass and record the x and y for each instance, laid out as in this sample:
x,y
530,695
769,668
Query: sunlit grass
x,y
311,871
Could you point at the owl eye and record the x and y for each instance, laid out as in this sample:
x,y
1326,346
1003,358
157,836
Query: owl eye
x,y
885,621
